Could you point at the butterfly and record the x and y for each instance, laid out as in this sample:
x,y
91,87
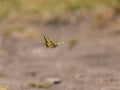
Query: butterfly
x,y
49,43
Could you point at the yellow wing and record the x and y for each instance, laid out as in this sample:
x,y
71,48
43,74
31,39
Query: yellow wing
x,y
49,43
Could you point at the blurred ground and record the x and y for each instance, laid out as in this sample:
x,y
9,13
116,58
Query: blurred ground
x,y
89,59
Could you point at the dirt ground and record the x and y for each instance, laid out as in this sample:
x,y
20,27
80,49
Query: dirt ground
x,y
88,60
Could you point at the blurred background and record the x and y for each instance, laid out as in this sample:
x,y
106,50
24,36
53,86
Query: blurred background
x,y
89,58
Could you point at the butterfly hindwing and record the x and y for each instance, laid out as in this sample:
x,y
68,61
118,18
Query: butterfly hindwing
x,y
60,43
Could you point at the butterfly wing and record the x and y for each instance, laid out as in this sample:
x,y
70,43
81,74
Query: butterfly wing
x,y
49,43
60,43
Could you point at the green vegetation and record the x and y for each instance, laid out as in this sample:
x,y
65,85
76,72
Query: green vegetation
x,y
73,43
39,8
71,71
43,11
